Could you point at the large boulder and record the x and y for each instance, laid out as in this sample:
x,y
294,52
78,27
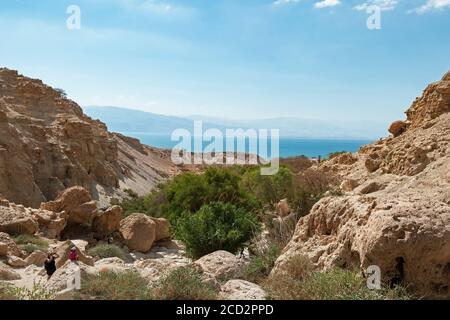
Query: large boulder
x,y
51,224
221,265
63,251
242,290
107,222
162,229
76,202
8,246
37,258
7,274
138,232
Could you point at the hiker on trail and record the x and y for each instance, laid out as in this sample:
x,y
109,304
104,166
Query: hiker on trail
x,y
73,255
50,264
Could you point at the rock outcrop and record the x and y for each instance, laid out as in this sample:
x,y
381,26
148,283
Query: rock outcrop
x,y
16,219
47,145
8,247
395,212
63,251
76,202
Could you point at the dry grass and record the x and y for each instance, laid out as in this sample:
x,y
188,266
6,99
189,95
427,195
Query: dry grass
x,y
299,281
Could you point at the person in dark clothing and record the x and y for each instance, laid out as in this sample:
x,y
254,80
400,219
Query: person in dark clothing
x,y
50,264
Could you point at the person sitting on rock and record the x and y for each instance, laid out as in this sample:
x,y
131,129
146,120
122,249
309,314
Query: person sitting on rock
x,y
73,255
50,264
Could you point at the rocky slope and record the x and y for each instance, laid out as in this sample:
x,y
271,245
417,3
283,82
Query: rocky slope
x,y
395,207
47,144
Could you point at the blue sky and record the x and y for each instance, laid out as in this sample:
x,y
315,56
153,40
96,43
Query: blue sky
x,y
234,59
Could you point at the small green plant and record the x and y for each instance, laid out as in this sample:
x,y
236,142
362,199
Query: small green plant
x,y
261,264
109,285
183,284
61,92
106,251
31,243
37,292
217,226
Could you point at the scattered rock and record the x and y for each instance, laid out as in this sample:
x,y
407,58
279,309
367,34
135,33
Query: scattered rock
x,y
348,185
282,208
138,232
7,274
221,265
8,246
63,251
397,128
65,274
16,262
371,187
107,222
242,290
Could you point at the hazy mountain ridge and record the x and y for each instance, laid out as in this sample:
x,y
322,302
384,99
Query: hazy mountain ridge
x,y
130,120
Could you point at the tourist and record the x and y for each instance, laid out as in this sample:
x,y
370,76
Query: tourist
x,y
50,264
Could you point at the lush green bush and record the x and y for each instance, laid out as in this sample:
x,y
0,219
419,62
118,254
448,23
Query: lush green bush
x,y
109,285
31,243
216,226
152,204
299,281
106,251
183,284
269,189
189,192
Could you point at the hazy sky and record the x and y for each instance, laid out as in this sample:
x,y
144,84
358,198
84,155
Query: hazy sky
x,y
233,58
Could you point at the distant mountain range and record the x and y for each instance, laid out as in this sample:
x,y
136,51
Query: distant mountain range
x,y
126,120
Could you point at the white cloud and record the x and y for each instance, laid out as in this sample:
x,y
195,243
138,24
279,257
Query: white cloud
x,y
282,2
326,3
431,5
384,5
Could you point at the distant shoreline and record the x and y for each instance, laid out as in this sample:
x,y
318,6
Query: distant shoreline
x,y
311,148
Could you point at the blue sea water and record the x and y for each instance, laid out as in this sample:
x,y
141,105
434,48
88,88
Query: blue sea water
x,y
289,146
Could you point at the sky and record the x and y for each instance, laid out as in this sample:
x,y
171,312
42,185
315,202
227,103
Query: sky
x,y
238,59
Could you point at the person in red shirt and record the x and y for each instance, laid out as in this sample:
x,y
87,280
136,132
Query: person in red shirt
x,y
73,255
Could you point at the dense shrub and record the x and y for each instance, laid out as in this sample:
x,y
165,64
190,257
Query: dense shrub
x,y
183,284
110,285
299,281
216,226
189,192
269,189
31,243
106,251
